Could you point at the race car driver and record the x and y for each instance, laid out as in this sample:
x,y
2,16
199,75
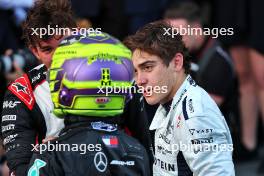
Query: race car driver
x,y
82,70
191,137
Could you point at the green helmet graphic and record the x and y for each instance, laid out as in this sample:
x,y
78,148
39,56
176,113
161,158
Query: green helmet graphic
x,y
91,76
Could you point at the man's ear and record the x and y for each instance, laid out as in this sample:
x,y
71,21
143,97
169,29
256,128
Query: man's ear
x,y
177,62
34,50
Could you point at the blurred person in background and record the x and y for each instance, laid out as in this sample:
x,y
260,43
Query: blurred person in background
x,y
211,65
93,117
247,50
210,62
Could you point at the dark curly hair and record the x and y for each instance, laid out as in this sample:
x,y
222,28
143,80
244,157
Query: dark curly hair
x,y
151,38
55,13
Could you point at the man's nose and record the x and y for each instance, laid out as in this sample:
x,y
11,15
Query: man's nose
x,y
141,79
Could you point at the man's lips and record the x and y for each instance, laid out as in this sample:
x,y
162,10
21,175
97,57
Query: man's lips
x,y
147,92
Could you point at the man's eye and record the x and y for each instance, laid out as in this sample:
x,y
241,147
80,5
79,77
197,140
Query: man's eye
x,y
48,50
148,68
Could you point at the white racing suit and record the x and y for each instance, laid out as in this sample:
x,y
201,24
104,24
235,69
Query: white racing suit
x,y
192,137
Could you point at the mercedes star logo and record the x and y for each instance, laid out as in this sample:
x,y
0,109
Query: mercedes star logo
x,y
100,161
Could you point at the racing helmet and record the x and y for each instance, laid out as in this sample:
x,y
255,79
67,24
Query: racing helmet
x,y
90,76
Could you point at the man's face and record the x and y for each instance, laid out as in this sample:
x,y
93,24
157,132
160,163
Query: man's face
x,y
45,49
190,39
154,76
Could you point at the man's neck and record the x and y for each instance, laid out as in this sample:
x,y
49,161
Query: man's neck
x,y
176,87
